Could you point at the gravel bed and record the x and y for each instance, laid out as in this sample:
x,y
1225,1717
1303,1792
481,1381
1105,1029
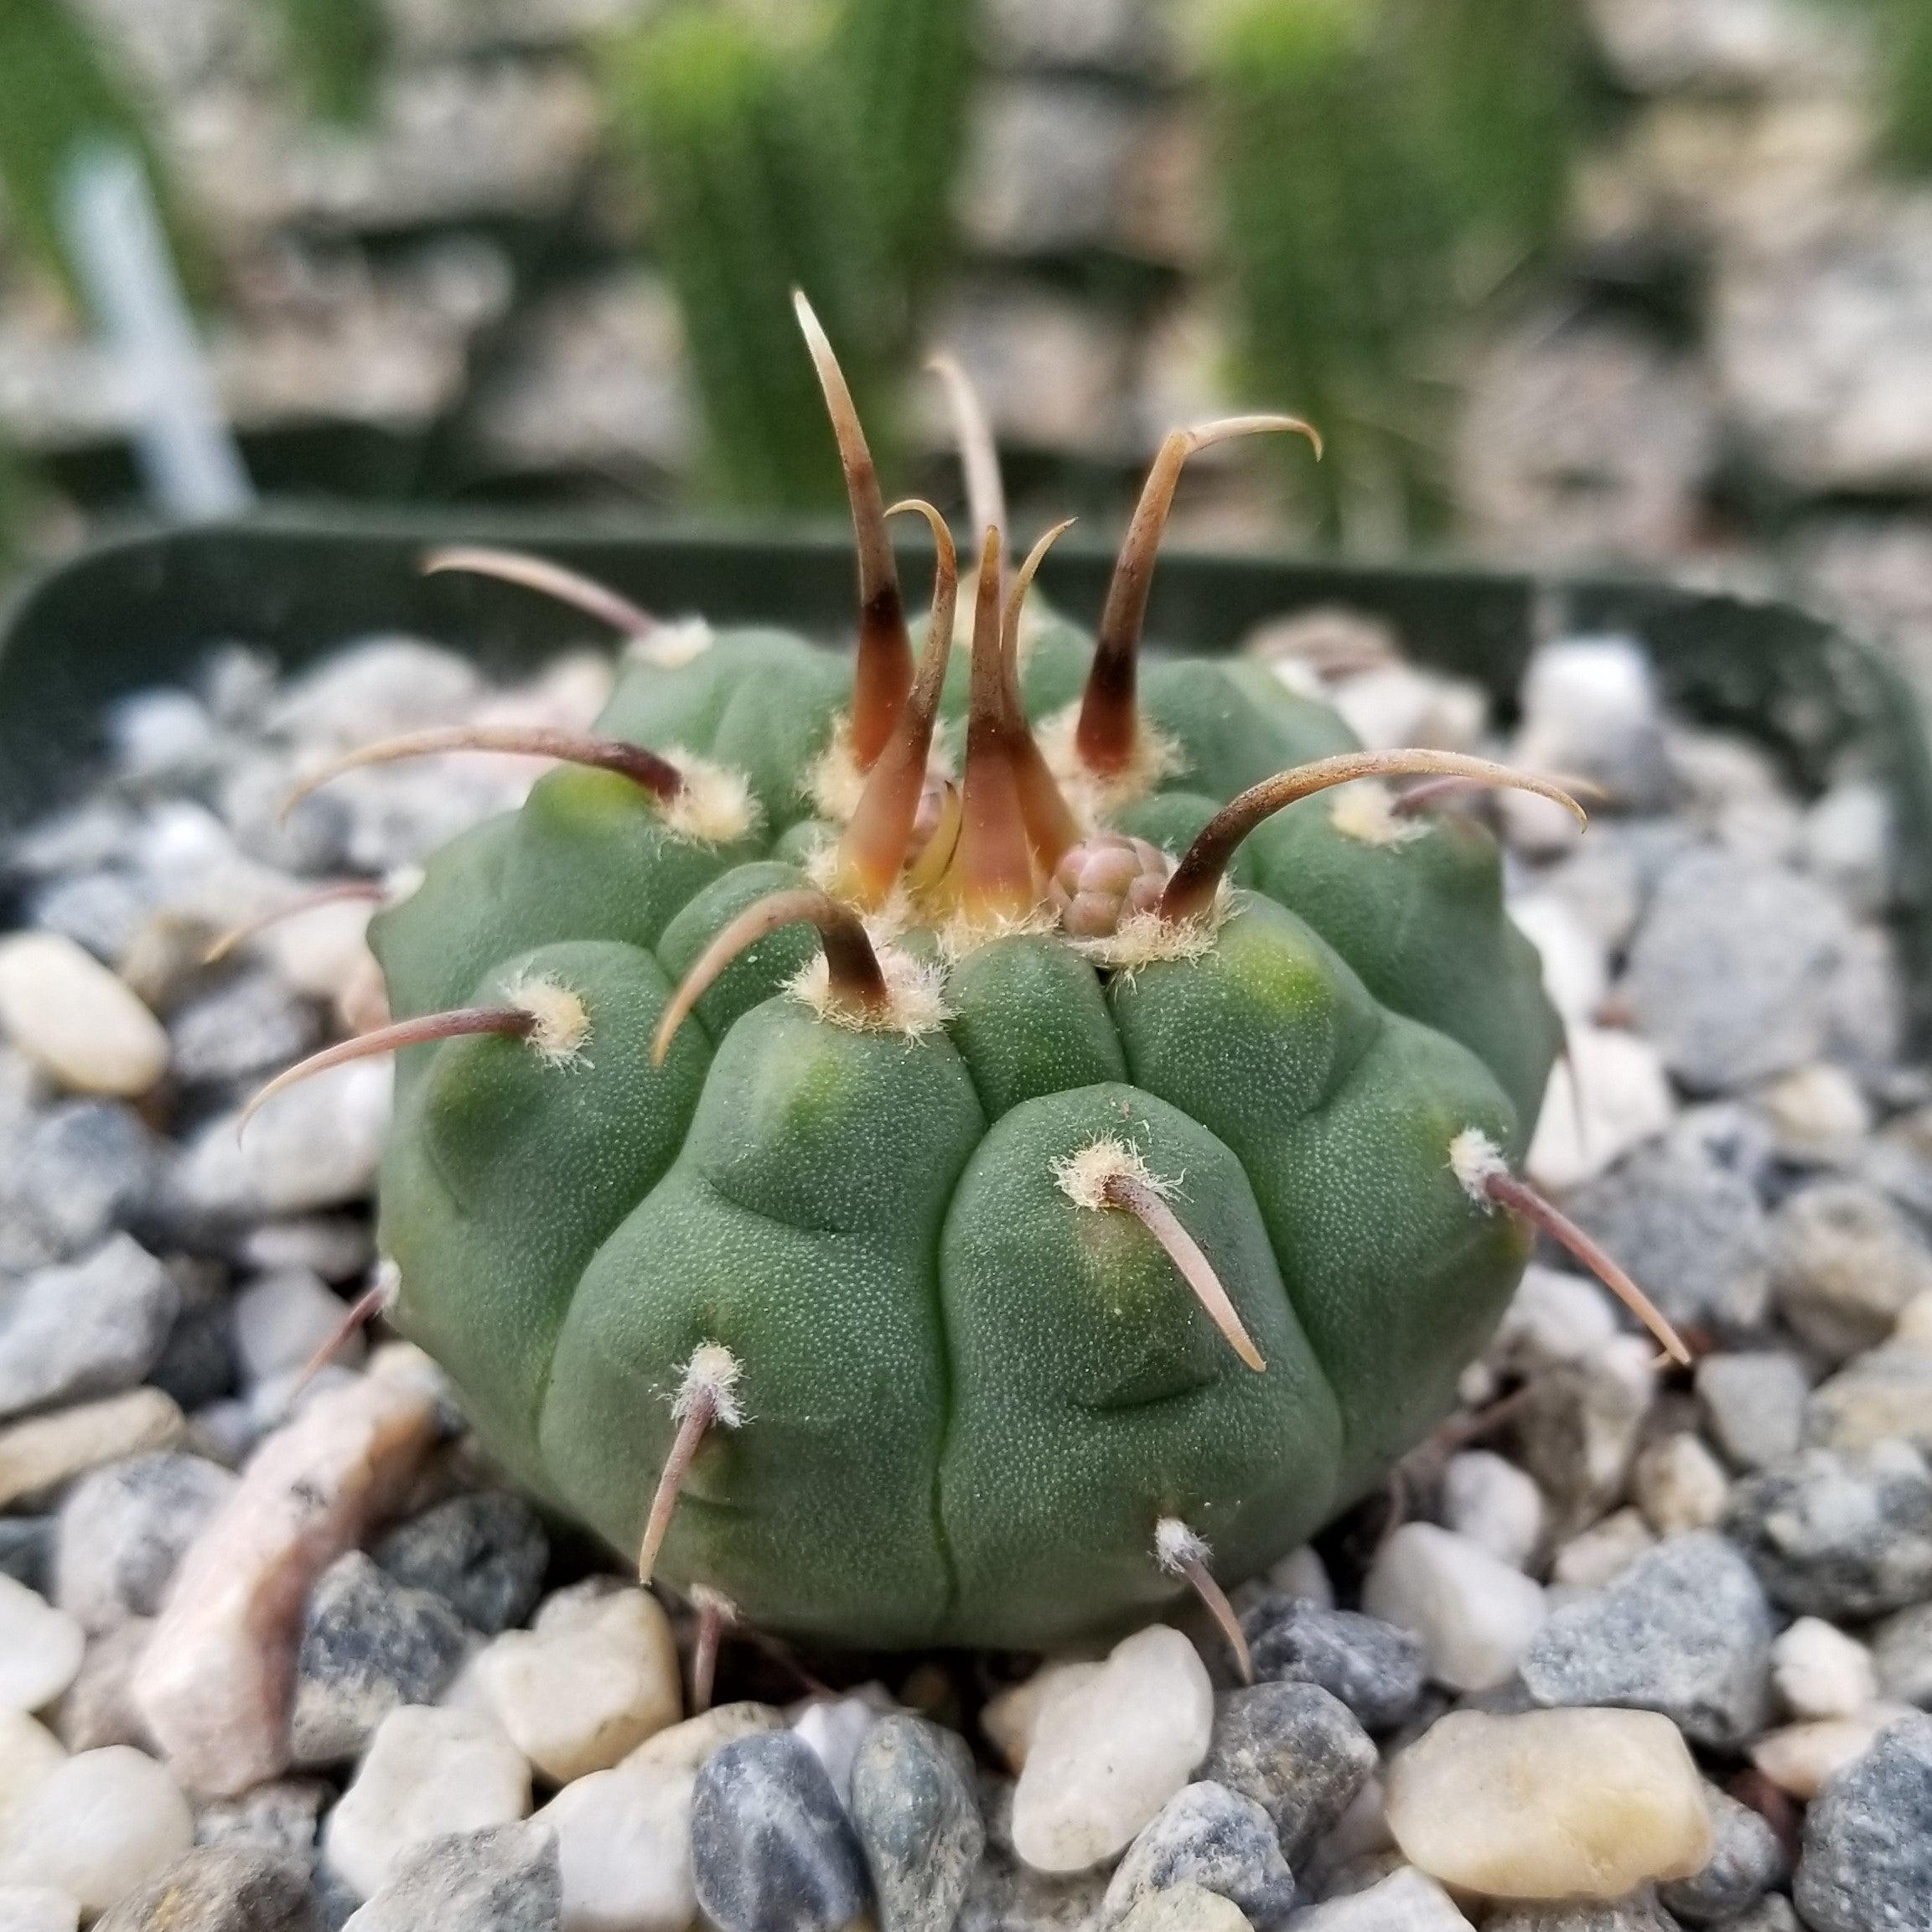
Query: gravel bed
x,y
1622,1647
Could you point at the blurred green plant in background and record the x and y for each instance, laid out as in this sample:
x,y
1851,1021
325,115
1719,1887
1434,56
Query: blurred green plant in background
x,y
65,93
1386,170
810,147
333,51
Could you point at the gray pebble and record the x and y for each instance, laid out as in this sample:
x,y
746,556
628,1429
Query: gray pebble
x,y
87,1167
102,910
484,1554
1836,1535
1685,1630
1885,1392
197,1362
1867,1865
1207,1836
123,1530
1690,1227
771,1851
1844,1263
1377,1671
1638,1913
1902,1650
1732,973
1773,1912
1297,1752
242,1030
918,1820
282,1816
225,1888
505,1879
1005,1895
1746,1861
368,1646
91,1328
1754,1404
27,1550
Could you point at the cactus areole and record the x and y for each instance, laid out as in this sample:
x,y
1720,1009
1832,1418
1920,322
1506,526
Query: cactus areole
x,y
956,1146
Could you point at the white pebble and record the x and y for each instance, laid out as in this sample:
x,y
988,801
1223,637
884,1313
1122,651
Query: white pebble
x,y
319,1144
39,1455
1553,1317
1800,1757
40,1648
1551,1803
1473,1613
29,1755
1405,1901
214,1684
595,1675
1607,1095
1680,1485
321,952
1576,968
105,1823
280,1321
426,1772
1109,1750
38,1908
1914,1328
623,1842
74,1020
1494,1504
1601,1554
1009,1716
1817,1109
685,1747
1821,1672
1302,1574
835,1727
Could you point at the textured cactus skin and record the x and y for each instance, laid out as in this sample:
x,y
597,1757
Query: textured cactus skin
x,y
967,1400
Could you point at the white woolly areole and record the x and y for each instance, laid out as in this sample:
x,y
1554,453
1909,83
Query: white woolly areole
x,y
1083,1176
965,932
1177,1548
915,995
835,783
715,1602
1476,1160
561,1020
399,882
1096,799
670,646
712,1376
1366,811
714,806
386,1284
1145,938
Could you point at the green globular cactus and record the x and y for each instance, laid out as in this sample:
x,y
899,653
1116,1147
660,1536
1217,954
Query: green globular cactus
x,y
921,1161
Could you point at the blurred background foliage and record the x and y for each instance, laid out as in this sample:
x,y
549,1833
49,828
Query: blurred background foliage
x,y
449,248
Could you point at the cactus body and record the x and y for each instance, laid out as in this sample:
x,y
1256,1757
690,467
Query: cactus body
x,y
969,1283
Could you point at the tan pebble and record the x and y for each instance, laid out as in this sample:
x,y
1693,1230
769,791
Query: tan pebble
x,y
685,1747
1800,1757
74,1020
1551,1803
1185,1909
594,1677
40,1454
214,1684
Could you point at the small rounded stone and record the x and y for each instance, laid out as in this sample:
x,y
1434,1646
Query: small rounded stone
x,y
1551,1803
75,1020
1473,1613
103,1823
771,1850
40,1648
